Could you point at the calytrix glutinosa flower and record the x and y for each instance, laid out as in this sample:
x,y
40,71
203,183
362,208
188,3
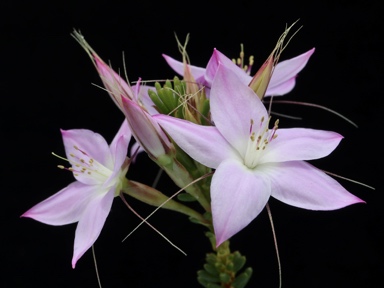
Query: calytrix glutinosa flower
x,y
254,162
138,108
100,171
273,78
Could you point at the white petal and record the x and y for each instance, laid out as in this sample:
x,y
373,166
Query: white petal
x,y
203,143
233,106
178,67
238,195
91,223
64,207
300,144
286,71
83,148
300,184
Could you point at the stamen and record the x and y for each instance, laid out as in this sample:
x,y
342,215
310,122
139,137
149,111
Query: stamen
x,y
240,61
258,141
85,166
250,128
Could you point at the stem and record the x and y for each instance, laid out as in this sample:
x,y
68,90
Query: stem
x,y
180,178
154,197
222,267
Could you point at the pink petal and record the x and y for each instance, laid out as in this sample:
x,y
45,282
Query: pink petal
x,y
93,144
233,106
300,184
178,67
143,98
124,131
238,195
300,144
64,207
115,85
287,71
119,152
91,222
119,145
219,58
281,89
203,143
145,130
135,150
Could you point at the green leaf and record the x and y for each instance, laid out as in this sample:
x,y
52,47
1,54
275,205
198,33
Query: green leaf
x,y
211,258
211,285
158,103
224,277
206,276
211,269
202,281
186,197
238,261
243,278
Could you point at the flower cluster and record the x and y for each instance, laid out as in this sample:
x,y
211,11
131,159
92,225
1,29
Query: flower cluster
x,y
213,136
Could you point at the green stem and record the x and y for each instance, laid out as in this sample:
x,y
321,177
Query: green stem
x,y
154,197
222,267
183,179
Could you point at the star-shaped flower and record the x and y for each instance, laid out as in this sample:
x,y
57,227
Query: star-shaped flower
x,y
283,79
254,162
99,170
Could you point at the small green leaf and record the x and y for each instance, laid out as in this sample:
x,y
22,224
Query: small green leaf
x,y
203,282
211,269
224,277
242,279
211,285
186,197
211,258
238,261
156,100
206,276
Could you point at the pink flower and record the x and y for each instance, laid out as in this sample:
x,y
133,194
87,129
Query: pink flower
x,y
254,162
99,170
282,82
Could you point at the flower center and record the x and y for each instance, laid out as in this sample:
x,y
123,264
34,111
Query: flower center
x,y
259,138
85,166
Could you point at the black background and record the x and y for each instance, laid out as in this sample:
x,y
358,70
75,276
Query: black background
x,y
47,81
